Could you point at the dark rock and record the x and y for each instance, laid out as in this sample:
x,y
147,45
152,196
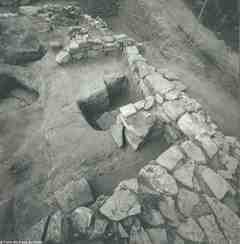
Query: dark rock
x,y
19,43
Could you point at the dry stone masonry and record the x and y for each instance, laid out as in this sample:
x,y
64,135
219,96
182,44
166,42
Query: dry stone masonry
x,y
188,194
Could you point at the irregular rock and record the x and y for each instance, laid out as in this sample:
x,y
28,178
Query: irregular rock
x,y
54,230
194,152
186,201
140,123
168,210
170,158
151,216
209,146
217,184
131,184
81,219
185,174
138,236
128,110
214,235
74,194
158,84
190,125
231,165
120,205
63,57
149,102
173,95
174,109
117,134
191,231
156,178
98,228
95,99
227,219
157,235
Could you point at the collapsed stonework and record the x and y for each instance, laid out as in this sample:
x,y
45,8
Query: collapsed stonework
x,y
188,194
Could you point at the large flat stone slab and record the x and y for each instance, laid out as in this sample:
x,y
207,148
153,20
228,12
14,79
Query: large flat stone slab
x,y
214,235
191,231
227,219
217,184
156,178
170,158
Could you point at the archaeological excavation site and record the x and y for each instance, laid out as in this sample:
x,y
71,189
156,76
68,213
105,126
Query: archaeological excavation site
x,y
119,122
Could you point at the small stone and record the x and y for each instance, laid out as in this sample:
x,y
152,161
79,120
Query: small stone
x,y
215,182
191,231
63,57
54,231
173,95
157,178
130,184
185,174
149,102
139,105
128,110
120,205
174,109
117,134
227,219
193,152
73,47
81,219
186,201
157,235
55,45
131,50
169,75
209,146
214,235
159,99
168,210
